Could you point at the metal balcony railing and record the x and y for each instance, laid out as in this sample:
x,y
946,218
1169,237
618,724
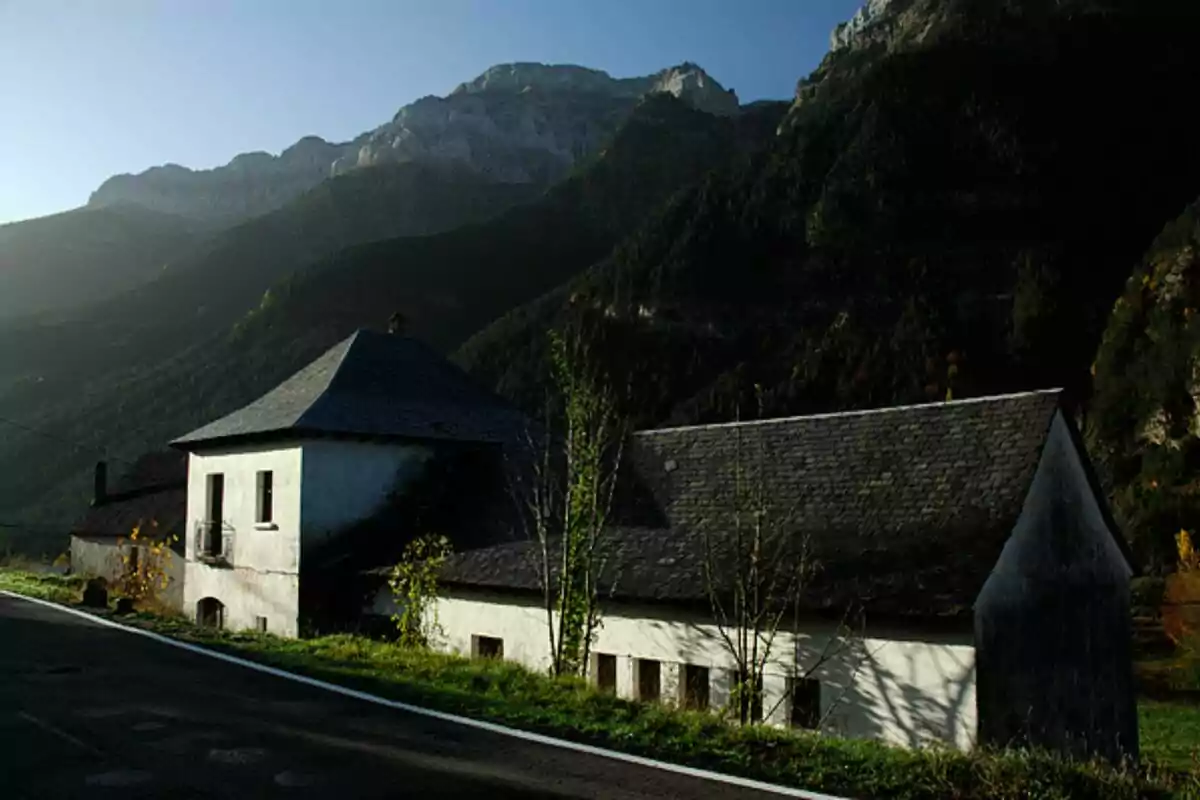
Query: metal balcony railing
x,y
213,541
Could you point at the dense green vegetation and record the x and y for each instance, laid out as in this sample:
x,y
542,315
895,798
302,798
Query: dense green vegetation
x,y
159,383
64,261
1143,422
569,708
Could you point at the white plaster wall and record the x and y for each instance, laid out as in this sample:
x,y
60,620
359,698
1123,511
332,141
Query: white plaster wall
x,y
104,558
889,686
100,559
273,548
345,482
247,594
319,487
901,690
263,579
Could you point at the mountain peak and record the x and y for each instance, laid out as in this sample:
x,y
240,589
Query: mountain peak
x,y
519,76
869,18
687,81
521,122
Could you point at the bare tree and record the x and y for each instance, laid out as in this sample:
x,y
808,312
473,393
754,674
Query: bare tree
x,y
757,562
564,489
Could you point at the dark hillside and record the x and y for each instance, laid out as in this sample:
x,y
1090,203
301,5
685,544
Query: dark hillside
x,y
448,285
209,286
951,215
63,261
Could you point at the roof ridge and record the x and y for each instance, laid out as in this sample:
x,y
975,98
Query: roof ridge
x,y
851,413
347,345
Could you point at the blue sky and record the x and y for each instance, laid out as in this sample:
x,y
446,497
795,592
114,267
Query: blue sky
x,y
92,88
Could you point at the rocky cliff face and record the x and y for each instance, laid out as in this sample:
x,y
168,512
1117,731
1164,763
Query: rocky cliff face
x,y
883,27
249,185
516,123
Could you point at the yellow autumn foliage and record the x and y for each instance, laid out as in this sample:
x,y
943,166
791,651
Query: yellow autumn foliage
x,y
1189,559
146,564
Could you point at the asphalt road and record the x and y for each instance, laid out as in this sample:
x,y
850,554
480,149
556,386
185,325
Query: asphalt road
x,y
90,711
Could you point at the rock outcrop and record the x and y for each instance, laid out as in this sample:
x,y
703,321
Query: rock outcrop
x,y
516,123
866,20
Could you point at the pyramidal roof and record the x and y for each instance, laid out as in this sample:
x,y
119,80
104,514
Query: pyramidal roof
x,y
371,385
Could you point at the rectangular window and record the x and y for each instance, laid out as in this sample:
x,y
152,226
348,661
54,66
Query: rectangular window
x,y
487,647
266,487
215,505
649,679
260,624
134,554
606,672
695,687
806,702
211,541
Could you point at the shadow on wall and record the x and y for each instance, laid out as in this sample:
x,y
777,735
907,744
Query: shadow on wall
x,y
248,586
910,693
333,590
906,693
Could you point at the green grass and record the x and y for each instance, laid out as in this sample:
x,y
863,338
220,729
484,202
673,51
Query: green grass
x,y
1170,733
57,588
509,694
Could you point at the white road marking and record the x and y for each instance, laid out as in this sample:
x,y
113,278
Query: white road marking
x,y
118,778
237,755
293,780
61,734
491,727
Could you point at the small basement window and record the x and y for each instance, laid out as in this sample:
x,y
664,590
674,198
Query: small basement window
x,y
649,679
695,687
606,672
266,501
487,647
806,702
260,624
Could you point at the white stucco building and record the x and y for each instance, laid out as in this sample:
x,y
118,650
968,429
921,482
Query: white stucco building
x,y
967,542
149,495
272,487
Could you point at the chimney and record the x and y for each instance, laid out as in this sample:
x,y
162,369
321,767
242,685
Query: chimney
x,y
100,484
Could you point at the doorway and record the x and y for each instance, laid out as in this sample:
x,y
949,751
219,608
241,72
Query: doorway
x,y
210,612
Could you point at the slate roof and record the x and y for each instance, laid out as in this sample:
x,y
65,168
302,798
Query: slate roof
x,y
904,510
372,385
154,488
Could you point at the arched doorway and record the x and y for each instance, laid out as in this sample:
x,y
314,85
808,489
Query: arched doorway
x,y
210,612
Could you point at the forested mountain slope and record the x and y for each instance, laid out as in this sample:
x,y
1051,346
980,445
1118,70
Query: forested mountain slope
x,y
448,285
952,207
210,285
63,261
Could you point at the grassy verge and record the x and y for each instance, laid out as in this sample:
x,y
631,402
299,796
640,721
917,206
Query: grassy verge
x,y
57,588
511,695
1170,733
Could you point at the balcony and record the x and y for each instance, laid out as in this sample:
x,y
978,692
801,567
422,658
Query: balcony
x,y
213,542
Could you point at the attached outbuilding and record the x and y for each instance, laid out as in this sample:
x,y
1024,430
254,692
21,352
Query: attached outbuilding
x,y
150,496
968,541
